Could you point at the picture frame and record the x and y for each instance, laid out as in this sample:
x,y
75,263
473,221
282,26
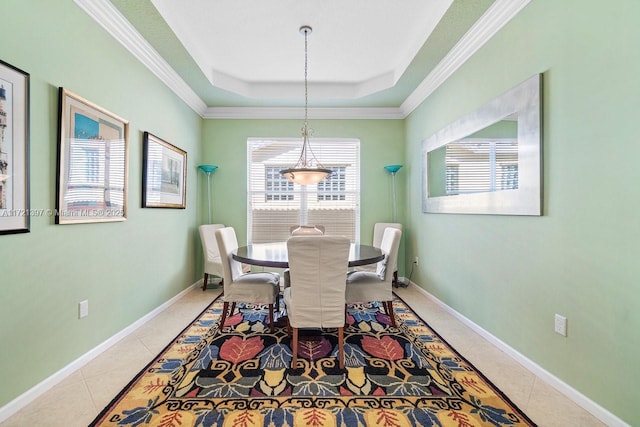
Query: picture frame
x,y
14,150
164,174
92,162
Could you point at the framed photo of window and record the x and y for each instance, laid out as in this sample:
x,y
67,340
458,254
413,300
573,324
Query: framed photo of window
x,y
164,174
92,162
14,150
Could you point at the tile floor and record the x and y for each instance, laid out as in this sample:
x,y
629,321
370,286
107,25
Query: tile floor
x,y
78,399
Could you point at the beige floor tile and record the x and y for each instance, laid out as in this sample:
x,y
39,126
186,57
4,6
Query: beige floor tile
x,y
66,405
550,408
128,356
508,375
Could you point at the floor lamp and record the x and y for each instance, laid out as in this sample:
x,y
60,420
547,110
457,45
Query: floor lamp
x,y
392,169
208,169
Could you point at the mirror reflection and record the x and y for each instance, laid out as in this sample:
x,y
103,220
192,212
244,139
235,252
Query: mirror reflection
x,y
485,161
488,161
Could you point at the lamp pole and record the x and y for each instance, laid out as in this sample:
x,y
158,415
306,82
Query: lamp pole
x,y
208,169
393,169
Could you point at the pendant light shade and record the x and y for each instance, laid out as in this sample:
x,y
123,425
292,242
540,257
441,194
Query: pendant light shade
x,y
308,170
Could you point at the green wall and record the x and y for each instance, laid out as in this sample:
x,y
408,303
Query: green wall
x,y
125,269
507,274
381,143
511,274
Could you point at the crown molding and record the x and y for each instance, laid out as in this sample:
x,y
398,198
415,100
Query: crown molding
x,y
298,113
110,18
496,17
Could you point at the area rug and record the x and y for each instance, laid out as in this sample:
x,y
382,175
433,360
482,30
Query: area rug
x,y
239,375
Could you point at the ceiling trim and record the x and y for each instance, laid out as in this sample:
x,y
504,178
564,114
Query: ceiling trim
x,y
110,18
496,17
298,113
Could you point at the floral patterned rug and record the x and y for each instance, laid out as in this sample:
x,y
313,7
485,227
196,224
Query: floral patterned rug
x,y
240,375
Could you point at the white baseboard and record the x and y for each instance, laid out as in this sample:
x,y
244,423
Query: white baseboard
x,y
39,389
580,399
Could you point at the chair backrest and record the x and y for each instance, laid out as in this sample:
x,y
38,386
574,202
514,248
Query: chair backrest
x,y
318,268
306,230
378,231
228,244
389,246
208,238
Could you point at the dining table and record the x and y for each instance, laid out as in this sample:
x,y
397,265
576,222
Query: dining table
x,y
275,254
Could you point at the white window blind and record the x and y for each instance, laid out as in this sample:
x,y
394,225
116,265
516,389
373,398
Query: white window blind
x,y
274,203
476,166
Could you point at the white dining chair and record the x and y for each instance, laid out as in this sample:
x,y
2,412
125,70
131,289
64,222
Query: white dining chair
x,y
378,231
366,286
305,230
301,230
316,297
253,288
212,260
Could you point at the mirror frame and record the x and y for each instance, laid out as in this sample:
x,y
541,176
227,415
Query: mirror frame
x,y
525,100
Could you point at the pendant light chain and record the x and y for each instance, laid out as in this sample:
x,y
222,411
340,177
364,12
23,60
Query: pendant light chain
x,y
306,90
305,127
304,172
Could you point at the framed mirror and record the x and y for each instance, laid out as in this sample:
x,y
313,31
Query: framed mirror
x,y
488,161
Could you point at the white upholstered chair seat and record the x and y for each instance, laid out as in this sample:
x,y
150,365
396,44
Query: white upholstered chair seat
x,y
253,288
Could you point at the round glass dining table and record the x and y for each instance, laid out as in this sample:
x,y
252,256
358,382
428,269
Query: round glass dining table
x,y
275,254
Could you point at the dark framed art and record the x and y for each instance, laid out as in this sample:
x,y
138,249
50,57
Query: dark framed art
x,y
164,174
92,162
14,150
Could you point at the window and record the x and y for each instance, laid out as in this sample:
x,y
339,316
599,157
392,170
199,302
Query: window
x,y
274,203
278,187
334,187
509,174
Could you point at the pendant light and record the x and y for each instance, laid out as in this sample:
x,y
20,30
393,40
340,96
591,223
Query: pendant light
x,y
308,170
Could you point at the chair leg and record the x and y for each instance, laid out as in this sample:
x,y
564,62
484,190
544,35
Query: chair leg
x,y
225,307
294,348
204,282
233,308
271,322
346,313
341,347
395,278
389,307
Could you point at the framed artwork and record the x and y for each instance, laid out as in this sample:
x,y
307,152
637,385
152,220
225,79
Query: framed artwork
x,y
14,150
164,174
92,163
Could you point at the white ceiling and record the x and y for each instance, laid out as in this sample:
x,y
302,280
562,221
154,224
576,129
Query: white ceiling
x,y
245,58
254,48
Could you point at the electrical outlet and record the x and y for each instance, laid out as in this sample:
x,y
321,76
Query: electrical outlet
x,y
415,260
83,309
561,325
